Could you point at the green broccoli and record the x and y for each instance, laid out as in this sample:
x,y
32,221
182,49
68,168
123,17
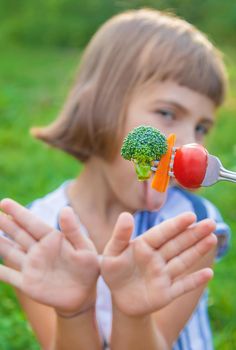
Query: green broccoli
x,y
143,145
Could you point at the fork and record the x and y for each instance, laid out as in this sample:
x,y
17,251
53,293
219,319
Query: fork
x,y
216,172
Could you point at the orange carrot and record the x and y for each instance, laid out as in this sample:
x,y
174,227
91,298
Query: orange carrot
x,y
161,177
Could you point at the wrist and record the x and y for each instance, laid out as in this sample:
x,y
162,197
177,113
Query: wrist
x,y
71,315
145,324
119,312
128,310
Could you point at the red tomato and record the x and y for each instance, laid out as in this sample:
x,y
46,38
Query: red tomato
x,y
190,164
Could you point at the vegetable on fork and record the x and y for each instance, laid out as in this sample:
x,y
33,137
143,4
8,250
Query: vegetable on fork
x,y
191,164
193,167
143,145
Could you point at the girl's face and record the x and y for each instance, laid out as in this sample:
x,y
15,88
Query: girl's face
x,y
171,108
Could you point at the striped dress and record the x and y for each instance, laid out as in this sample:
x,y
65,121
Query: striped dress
x,y
197,333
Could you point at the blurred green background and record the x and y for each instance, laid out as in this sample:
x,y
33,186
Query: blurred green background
x,y
41,42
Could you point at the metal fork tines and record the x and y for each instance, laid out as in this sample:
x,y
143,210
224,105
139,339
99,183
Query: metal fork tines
x,y
216,172
155,165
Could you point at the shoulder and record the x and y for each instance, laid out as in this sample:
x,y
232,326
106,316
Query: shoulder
x,y
203,208
49,206
179,201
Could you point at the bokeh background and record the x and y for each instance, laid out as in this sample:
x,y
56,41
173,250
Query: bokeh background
x,y
40,46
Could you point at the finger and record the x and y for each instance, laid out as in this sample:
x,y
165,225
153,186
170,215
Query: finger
x,y
186,239
10,252
190,282
162,233
10,276
121,235
189,257
70,227
27,220
19,235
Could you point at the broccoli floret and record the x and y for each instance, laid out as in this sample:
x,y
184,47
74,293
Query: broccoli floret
x,y
143,145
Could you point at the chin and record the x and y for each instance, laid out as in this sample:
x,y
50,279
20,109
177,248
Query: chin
x,y
148,198
154,206
154,202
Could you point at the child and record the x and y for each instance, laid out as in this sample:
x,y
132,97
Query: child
x,y
142,67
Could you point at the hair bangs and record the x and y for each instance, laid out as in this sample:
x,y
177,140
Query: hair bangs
x,y
192,62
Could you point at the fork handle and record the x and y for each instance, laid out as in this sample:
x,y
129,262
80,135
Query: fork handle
x,y
227,175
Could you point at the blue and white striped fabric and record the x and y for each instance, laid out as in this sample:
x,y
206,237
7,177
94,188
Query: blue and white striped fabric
x,y
179,201
197,333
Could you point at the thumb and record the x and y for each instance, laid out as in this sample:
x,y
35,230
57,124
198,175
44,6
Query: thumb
x,y
121,235
71,228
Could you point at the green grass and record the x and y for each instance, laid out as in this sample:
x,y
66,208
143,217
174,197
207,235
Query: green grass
x,y
34,84
222,142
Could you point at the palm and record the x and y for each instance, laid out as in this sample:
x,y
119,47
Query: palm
x,y
146,274
141,272
58,275
56,268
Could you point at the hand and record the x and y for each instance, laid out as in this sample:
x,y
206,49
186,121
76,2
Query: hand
x,y
59,269
146,274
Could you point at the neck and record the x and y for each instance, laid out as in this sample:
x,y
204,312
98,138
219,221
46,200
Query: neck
x,y
95,204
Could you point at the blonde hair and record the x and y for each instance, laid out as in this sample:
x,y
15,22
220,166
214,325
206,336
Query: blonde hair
x,y
131,49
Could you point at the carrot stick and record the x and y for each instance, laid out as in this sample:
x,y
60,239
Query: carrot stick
x,y
161,177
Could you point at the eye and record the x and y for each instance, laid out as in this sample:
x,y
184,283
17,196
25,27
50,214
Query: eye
x,y
166,114
202,130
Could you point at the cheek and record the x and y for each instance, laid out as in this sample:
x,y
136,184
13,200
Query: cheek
x,y
121,179
123,176
133,194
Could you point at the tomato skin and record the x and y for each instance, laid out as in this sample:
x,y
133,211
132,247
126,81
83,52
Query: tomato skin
x,y
190,164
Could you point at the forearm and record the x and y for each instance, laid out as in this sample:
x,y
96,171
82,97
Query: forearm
x,y
77,333
139,333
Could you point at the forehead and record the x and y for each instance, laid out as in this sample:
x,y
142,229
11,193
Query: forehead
x,y
171,93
